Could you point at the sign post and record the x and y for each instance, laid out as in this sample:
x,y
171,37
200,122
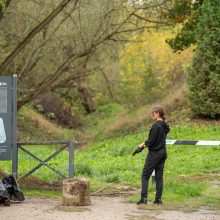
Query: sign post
x,y
8,118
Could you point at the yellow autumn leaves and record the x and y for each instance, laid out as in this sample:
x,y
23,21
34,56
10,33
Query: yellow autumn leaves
x,y
149,65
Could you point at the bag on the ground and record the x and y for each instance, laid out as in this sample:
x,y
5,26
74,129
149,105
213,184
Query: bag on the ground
x,y
12,188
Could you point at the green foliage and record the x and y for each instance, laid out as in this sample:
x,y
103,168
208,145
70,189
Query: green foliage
x,y
108,110
2,5
204,78
184,38
185,13
180,10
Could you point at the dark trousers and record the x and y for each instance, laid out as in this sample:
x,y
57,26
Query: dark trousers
x,y
155,161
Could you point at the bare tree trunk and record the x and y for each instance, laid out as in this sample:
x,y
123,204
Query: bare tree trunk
x,y
47,82
108,85
85,96
29,37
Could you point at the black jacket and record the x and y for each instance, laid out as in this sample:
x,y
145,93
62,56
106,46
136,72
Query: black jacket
x,y
157,136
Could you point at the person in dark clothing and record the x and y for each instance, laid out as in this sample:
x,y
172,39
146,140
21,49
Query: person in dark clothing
x,y
157,154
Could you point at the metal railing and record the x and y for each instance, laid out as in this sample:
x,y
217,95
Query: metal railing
x,y
62,145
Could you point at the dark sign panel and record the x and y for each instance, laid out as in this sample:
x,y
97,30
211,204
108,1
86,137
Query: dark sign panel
x,y
6,114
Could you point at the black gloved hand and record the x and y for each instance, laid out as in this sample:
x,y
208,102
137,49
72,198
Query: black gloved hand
x,y
138,150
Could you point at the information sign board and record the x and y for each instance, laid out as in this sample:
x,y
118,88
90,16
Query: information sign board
x,y
6,117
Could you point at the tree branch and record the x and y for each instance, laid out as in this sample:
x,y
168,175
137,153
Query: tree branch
x,y
44,41
109,33
29,37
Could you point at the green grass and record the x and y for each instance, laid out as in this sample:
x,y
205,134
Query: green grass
x,y
189,196
41,192
33,127
188,169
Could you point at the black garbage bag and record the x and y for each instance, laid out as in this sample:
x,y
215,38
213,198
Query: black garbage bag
x,y
12,188
4,195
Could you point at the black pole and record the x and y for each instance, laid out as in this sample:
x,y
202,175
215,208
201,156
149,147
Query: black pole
x,y
71,160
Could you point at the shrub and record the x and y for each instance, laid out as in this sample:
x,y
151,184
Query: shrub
x,y
204,78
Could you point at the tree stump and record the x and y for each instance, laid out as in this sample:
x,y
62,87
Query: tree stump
x,y
76,192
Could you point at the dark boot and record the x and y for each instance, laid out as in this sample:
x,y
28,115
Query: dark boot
x,y
158,202
142,201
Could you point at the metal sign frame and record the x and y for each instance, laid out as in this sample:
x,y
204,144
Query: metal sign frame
x,y
8,116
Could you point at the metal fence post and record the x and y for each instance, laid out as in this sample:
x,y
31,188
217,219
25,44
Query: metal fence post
x,y
71,159
14,127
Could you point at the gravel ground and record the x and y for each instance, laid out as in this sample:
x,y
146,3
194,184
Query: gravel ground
x,y
102,208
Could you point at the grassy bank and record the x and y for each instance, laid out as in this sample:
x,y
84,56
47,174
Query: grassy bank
x,y
190,171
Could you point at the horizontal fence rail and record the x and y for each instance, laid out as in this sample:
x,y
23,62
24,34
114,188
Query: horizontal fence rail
x,y
62,145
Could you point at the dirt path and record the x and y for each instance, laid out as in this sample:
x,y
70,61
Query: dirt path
x,y
102,208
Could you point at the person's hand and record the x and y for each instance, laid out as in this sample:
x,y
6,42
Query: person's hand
x,y
142,145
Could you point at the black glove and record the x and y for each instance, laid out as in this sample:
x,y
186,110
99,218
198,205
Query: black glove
x,y
138,150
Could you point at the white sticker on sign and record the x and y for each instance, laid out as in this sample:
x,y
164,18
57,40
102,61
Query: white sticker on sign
x,y
2,132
